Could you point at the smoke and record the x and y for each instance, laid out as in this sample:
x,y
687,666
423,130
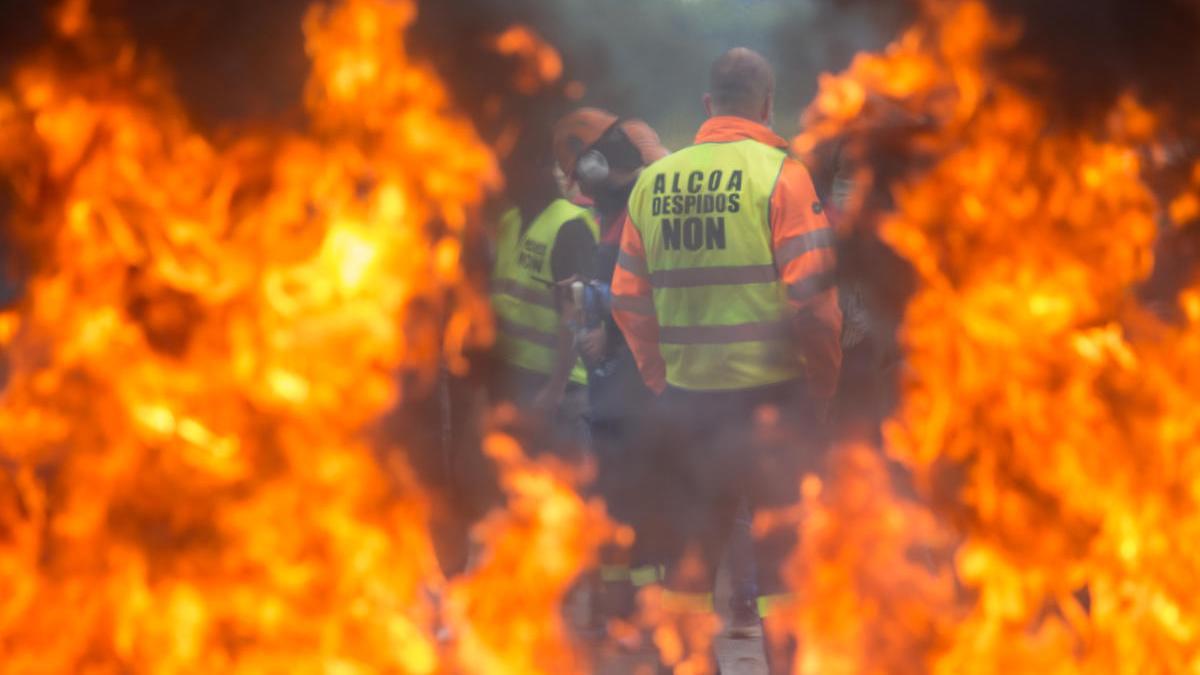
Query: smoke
x,y
813,38
457,38
649,59
1081,55
21,29
235,61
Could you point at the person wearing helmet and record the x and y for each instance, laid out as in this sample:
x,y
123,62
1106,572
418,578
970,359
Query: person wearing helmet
x,y
602,155
542,239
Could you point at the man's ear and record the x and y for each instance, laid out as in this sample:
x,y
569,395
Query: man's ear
x,y
708,104
767,113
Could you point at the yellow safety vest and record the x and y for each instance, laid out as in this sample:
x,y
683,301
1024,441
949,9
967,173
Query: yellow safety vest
x,y
704,217
523,288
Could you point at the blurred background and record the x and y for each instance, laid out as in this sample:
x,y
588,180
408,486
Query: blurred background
x,y
237,60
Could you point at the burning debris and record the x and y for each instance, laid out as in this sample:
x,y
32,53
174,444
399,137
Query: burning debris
x,y
208,330
1048,419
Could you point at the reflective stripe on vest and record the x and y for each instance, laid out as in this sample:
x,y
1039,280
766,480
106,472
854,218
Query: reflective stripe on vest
x,y
704,216
765,331
539,297
691,277
522,292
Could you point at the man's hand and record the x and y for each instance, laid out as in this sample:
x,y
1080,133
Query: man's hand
x,y
570,313
547,400
593,344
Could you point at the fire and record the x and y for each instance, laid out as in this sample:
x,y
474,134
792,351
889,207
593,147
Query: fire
x,y
1049,421
682,634
540,62
510,607
208,329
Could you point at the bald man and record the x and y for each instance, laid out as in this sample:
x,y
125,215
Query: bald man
x,y
725,292
741,85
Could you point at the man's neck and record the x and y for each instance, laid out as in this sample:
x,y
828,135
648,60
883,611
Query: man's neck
x,y
610,204
749,118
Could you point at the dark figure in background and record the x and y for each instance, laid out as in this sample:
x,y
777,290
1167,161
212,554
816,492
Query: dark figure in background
x,y
542,241
602,155
852,174
725,292
538,240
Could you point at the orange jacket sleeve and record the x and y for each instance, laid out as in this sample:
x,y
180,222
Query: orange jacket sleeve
x,y
806,260
633,308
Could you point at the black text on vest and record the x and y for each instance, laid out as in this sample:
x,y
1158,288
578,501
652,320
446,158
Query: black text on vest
x,y
532,256
697,193
693,234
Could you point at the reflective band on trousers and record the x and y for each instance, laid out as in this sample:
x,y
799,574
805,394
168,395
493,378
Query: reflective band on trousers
x,y
697,603
690,277
722,335
516,290
614,573
768,604
516,330
795,247
646,575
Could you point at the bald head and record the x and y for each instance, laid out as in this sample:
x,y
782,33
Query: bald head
x,y
741,84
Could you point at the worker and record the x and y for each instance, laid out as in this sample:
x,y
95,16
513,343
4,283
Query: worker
x,y
542,240
874,283
725,292
601,156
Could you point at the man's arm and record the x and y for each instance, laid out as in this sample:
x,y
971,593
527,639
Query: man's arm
x,y
573,249
573,252
633,308
805,257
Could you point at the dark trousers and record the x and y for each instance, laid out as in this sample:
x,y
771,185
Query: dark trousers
x,y
715,453
742,576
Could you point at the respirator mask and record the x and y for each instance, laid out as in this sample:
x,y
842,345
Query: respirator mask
x,y
612,151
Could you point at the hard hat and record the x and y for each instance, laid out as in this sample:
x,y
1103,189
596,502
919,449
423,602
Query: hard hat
x,y
581,130
578,131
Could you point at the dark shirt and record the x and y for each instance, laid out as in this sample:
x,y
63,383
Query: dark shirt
x,y
574,249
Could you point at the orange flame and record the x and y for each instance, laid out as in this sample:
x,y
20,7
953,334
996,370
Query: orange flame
x,y
540,63
682,634
509,610
185,483
1050,420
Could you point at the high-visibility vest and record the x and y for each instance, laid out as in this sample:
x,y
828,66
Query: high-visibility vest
x,y
523,288
704,217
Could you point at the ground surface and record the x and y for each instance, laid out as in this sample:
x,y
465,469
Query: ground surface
x,y
737,656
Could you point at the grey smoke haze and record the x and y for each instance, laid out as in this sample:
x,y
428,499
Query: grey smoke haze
x,y
658,52
648,58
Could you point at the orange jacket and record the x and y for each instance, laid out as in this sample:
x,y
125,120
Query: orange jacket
x,y
803,244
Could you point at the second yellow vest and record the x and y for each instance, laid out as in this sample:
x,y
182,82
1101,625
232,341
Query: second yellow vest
x,y
522,288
